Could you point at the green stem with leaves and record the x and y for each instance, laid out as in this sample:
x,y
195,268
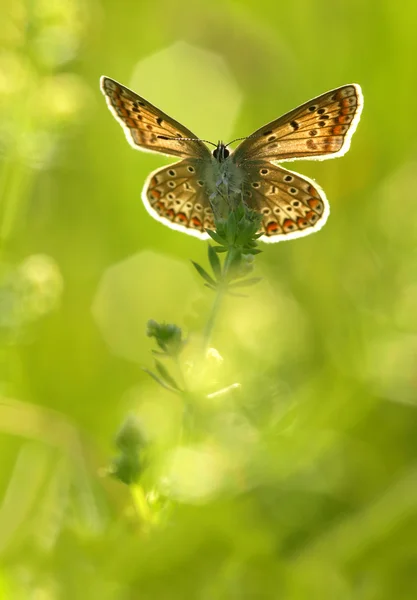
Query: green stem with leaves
x,y
221,291
236,237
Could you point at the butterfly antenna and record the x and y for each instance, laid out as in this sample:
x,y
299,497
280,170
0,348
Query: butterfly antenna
x,y
248,137
166,137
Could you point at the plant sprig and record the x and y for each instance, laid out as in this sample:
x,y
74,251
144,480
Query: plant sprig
x,y
171,343
236,237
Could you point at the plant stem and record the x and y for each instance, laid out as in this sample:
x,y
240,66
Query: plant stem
x,y
220,293
141,505
183,383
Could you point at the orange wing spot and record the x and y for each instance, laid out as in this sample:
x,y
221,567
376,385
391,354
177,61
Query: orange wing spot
x,y
159,207
155,193
170,213
338,130
312,217
123,112
195,221
316,205
289,225
272,228
313,192
182,218
130,122
117,101
302,223
348,110
344,119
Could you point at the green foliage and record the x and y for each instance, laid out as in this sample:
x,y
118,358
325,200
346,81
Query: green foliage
x,y
236,237
168,337
129,464
272,452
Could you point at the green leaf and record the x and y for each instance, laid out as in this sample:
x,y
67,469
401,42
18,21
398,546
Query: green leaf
x,y
215,236
219,249
127,468
252,251
167,335
243,237
231,226
245,282
130,438
215,263
204,274
164,373
160,381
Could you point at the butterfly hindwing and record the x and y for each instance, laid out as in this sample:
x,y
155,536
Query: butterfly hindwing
x,y
148,128
176,196
291,205
319,129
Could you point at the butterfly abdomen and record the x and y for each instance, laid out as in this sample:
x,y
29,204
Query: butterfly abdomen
x,y
223,178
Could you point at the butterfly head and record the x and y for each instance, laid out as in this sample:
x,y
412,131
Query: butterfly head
x,y
221,152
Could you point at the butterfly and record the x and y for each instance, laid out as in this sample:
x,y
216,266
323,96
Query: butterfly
x,y
186,195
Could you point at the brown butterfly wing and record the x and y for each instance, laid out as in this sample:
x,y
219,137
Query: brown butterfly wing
x,y
176,196
291,205
319,129
146,127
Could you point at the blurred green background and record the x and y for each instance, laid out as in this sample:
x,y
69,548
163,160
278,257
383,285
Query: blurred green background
x,y
300,483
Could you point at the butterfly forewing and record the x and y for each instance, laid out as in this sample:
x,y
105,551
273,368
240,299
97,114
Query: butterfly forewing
x,y
318,129
148,128
176,196
291,205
